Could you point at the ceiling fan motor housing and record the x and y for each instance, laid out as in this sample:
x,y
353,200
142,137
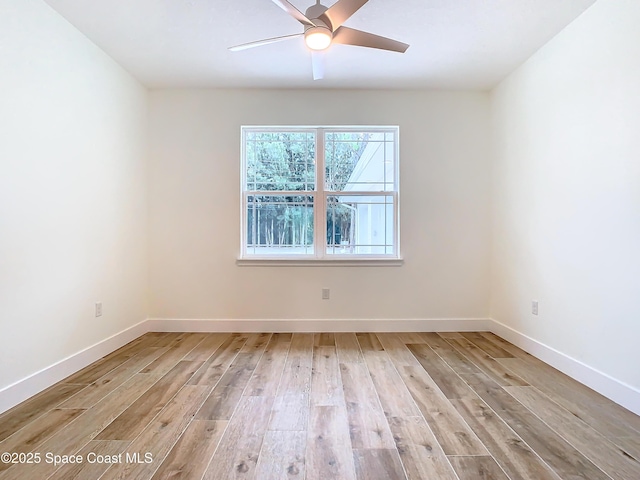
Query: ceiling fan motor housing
x,y
318,37
324,26
313,13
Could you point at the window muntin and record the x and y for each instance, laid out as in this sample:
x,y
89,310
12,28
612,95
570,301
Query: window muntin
x,y
279,225
359,161
320,193
280,160
360,225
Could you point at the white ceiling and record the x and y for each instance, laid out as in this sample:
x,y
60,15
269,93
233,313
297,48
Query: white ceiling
x,y
455,44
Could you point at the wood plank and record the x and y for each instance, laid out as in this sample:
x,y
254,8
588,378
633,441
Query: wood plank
x,y
488,365
256,343
410,337
610,419
107,363
22,414
282,456
348,348
559,429
324,340
213,369
329,454
176,351
220,404
326,385
450,334
33,434
290,412
238,451
106,384
539,374
150,339
224,398
419,450
137,416
162,339
291,407
246,360
160,436
203,351
605,454
378,464
434,339
566,461
369,342
397,350
490,348
507,448
239,372
477,468
283,337
442,374
368,427
630,445
457,361
141,342
296,377
453,434
393,394
191,454
505,345
97,456
268,371
83,429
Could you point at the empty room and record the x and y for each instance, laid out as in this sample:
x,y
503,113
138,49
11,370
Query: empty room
x,y
336,239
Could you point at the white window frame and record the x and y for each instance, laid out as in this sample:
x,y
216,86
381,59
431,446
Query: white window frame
x,y
319,195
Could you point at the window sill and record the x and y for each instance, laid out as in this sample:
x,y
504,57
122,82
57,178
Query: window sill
x,y
306,262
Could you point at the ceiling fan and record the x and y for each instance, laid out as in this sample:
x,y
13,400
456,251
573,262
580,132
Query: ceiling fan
x,y
323,27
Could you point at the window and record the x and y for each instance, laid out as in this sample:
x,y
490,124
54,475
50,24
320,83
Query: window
x,y
320,193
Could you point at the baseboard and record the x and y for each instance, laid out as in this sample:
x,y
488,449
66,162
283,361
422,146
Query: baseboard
x,y
318,325
620,392
21,390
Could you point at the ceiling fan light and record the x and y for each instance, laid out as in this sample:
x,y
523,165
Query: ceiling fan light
x,y
317,38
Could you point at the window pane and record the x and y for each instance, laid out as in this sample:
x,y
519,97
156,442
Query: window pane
x,y
279,225
360,225
360,161
279,161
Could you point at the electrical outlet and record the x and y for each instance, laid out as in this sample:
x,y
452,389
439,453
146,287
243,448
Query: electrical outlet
x,y
326,294
534,307
98,309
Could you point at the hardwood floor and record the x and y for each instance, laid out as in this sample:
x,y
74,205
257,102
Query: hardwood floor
x,y
320,406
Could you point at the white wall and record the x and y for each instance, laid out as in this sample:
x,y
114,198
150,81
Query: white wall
x,y
73,198
566,197
195,202
73,208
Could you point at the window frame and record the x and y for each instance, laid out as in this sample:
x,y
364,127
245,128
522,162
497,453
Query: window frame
x,y
319,194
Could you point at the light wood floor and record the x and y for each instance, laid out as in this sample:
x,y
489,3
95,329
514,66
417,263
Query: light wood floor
x,y
321,406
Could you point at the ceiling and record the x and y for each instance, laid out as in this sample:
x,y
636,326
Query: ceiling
x,y
455,44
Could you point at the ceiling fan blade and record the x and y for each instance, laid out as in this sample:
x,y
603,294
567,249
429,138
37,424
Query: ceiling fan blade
x,y
340,11
317,61
266,41
294,12
350,36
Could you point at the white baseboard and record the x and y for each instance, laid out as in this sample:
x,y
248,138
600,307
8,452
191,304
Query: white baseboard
x,y
21,390
319,325
620,392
